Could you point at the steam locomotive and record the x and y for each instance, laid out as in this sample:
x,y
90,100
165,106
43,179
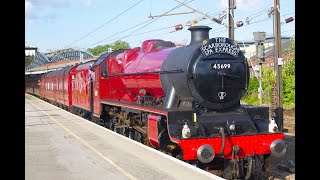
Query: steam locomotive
x,y
183,101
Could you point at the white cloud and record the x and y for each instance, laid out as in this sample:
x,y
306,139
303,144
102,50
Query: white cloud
x,y
52,3
223,3
91,2
88,2
33,18
39,11
244,4
28,7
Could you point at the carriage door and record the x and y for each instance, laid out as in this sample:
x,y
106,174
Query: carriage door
x,y
91,96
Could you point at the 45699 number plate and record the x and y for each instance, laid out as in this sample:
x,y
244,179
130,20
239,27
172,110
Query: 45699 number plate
x,y
220,66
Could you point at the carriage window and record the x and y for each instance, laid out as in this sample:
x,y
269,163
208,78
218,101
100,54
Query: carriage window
x,y
104,69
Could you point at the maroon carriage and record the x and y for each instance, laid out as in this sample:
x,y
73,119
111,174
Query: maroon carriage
x,y
81,92
56,86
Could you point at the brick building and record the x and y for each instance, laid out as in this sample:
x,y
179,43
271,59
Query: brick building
x,y
249,50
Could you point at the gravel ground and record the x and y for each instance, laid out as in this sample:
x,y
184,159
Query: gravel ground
x,y
284,161
288,160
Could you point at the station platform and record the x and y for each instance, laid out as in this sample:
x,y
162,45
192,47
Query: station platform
x,y
61,145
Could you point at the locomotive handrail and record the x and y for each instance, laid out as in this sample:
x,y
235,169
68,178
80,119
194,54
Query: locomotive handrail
x,y
151,72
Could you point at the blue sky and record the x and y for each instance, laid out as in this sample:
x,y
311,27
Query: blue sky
x,y
82,24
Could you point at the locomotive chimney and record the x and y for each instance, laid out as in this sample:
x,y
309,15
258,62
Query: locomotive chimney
x,y
198,34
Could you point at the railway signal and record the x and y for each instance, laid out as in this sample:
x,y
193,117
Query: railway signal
x,y
259,38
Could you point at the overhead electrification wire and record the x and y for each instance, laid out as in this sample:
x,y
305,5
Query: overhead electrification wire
x,y
168,28
104,24
213,31
258,14
156,35
182,3
120,32
155,19
261,20
170,31
144,26
287,14
145,32
155,31
162,29
132,33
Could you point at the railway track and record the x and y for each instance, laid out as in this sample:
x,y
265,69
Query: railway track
x,y
289,120
290,127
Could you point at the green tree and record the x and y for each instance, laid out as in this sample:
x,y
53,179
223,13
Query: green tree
x,y
98,50
288,79
289,67
101,49
267,80
120,45
251,95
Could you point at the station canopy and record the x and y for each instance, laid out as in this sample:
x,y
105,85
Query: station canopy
x,y
41,59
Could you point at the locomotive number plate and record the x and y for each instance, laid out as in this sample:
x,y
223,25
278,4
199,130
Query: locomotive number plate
x,y
220,66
